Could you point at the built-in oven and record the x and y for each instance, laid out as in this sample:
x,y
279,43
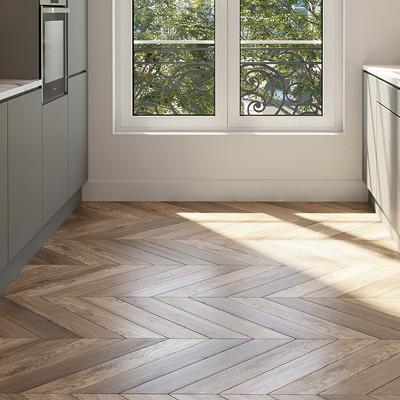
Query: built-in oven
x,y
54,48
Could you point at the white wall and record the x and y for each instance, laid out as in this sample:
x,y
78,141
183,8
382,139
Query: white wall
x,y
268,167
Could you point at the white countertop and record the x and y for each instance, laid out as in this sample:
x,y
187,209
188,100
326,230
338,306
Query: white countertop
x,y
14,87
388,73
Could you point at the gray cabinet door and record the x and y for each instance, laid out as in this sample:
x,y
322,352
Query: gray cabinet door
x,y
78,133
397,182
77,36
3,187
24,170
55,156
370,133
384,192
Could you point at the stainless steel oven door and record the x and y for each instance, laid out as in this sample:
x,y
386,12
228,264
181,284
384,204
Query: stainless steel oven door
x,y
54,52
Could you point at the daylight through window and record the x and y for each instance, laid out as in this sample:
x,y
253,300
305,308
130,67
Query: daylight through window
x,y
218,65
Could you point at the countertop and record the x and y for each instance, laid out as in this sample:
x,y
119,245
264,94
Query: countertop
x,y
388,73
14,87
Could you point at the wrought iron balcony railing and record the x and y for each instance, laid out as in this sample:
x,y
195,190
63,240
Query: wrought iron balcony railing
x,y
277,78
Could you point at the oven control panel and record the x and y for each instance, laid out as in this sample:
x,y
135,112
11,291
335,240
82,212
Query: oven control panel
x,y
62,3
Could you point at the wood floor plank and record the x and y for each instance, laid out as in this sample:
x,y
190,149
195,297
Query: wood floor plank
x,y
71,321
159,290
153,247
12,345
143,318
9,329
241,257
206,301
68,285
250,397
299,397
200,325
138,255
70,365
18,372
357,283
355,310
231,289
301,318
164,366
128,287
385,397
269,321
334,278
174,381
193,251
35,275
271,381
270,360
372,379
115,365
131,274
347,320
245,327
378,352
108,320
198,288
285,282
32,322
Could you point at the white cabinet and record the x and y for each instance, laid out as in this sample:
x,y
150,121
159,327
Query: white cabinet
x,y
370,108
381,169
385,160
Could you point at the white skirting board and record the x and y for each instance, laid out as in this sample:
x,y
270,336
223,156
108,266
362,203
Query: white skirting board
x,y
226,190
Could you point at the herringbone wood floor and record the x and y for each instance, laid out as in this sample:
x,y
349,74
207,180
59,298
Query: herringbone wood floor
x,y
202,301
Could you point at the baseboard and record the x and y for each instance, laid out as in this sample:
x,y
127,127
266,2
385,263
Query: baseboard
x,y
8,273
226,190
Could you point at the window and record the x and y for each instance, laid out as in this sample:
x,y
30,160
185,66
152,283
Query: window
x,y
174,57
228,65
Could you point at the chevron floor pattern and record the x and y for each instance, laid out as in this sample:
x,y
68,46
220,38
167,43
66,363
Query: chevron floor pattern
x,y
206,301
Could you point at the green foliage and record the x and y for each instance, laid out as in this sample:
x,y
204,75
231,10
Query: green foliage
x,y
174,19
281,20
179,79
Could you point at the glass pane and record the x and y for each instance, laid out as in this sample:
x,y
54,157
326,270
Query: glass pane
x,y
281,57
54,50
174,57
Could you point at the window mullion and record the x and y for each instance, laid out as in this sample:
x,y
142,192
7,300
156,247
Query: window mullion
x,y
233,63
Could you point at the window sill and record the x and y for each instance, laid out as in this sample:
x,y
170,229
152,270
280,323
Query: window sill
x,y
225,133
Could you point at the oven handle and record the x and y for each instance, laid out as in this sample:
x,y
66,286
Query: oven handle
x,y
54,10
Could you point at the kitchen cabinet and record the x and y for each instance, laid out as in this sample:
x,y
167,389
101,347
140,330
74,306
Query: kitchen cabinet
x,y
381,166
385,142
369,143
77,36
55,156
25,185
3,187
77,132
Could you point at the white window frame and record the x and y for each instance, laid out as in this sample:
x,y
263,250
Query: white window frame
x,y
227,117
